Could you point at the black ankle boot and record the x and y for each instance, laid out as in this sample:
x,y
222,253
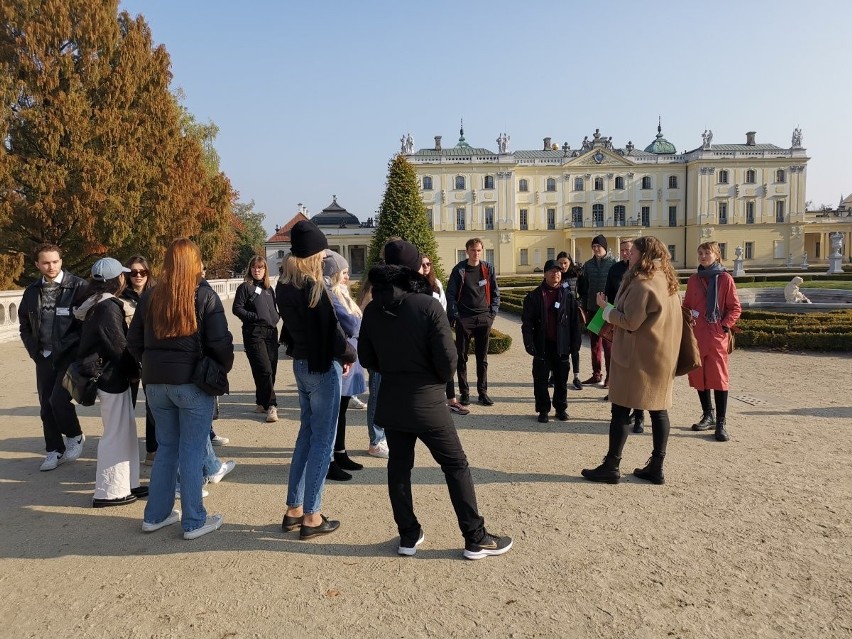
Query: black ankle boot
x,y
336,473
707,421
638,421
607,472
721,432
345,463
653,471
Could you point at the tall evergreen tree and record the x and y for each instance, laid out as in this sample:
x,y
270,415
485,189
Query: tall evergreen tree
x,y
95,154
403,214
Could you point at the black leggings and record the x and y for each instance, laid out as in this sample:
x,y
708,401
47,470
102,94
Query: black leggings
x,y
619,427
340,438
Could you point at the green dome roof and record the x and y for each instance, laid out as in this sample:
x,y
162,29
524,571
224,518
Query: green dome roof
x,y
661,146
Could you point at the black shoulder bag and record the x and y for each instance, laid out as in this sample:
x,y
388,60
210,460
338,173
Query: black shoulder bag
x,y
208,375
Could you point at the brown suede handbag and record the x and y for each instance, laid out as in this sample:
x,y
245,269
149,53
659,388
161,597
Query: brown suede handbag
x,y
688,357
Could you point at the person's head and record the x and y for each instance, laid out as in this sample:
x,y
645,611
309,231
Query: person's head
x,y
303,268
172,308
709,253
473,248
624,248
599,246
429,272
552,273
564,260
648,254
107,276
258,271
139,277
335,267
402,253
797,281
48,260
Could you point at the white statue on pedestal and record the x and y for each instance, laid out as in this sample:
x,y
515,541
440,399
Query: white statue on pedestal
x,y
792,293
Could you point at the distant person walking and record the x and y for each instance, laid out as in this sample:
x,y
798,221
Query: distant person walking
x,y
592,282
711,296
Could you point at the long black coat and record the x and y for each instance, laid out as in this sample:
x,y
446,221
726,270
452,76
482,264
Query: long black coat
x,y
406,337
569,330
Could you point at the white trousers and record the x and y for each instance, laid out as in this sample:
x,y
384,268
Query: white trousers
x,y
118,450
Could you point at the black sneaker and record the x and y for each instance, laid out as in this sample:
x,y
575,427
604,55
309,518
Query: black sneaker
x,y
578,384
464,399
408,547
488,546
485,400
543,418
562,415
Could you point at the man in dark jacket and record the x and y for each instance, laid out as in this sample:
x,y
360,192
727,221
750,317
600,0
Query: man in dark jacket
x,y
551,329
406,337
594,276
51,333
472,303
613,282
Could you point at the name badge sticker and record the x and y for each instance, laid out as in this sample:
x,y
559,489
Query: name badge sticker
x,y
482,282
63,311
258,290
556,305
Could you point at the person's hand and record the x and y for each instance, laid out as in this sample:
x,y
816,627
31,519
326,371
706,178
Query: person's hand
x,y
346,369
601,299
452,321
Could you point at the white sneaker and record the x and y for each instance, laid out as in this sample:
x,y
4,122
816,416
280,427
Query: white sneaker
x,y
226,468
357,403
173,518
272,415
74,447
379,450
218,440
52,460
408,548
204,492
214,522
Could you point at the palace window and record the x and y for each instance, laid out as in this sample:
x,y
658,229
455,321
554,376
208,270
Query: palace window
x,y
551,219
779,211
646,182
619,183
523,186
427,183
646,216
723,177
778,249
489,218
751,176
672,216
723,213
459,182
749,250
489,182
524,258
673,252
749,212
429,218
672,181
579,184
551,253
523,225
489,256
723,250
619,214
460,219
551,184
577,216
461,255
598,214
599,184
780,176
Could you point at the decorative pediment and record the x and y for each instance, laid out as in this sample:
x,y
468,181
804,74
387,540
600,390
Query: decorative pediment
x,y
599,157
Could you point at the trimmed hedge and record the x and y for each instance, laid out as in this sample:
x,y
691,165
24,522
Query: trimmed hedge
x,y
791,331
500,343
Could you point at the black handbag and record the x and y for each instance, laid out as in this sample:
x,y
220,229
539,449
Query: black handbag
x,y
81,379
208,374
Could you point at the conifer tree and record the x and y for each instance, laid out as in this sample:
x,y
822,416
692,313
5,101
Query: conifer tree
x,y
403,214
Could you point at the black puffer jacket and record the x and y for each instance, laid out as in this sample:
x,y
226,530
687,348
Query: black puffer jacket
x,y
405,336
172,360
105,333
569,329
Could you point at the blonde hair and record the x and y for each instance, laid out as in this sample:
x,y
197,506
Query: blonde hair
x,y
713,247
654,257
343,295
305,272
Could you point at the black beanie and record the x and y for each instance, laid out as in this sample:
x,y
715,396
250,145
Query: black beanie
x,y
600,239
306,239
403,253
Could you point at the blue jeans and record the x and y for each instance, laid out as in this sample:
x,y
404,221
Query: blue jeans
x,y
319,401
376,433
183,413
211,465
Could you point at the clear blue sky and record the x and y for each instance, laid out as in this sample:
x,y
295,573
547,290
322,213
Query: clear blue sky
x,y
312,98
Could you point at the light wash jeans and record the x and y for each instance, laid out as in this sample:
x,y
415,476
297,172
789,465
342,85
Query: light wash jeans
x,y
376,433
183,413
211,465
319,401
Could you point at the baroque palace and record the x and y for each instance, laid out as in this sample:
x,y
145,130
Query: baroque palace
x,y
528,205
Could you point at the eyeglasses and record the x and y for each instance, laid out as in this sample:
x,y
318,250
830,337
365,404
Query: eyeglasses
x,y
138,272
427,263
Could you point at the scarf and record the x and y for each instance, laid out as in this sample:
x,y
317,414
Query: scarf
x,y
711,274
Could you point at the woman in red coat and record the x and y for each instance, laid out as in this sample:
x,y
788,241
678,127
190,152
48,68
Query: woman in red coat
x,y
711,296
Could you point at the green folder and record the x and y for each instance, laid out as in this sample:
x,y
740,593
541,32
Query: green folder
x,y
597,322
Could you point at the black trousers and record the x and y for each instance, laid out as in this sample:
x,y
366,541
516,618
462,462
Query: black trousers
x,y
261,344
58,415
447,450
478,328
619,427
542,368
150,424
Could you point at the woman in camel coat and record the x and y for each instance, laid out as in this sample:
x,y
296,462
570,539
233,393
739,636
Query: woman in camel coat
x,y
648,324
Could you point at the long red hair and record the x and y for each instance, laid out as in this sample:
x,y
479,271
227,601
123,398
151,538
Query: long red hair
x,y
172,308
